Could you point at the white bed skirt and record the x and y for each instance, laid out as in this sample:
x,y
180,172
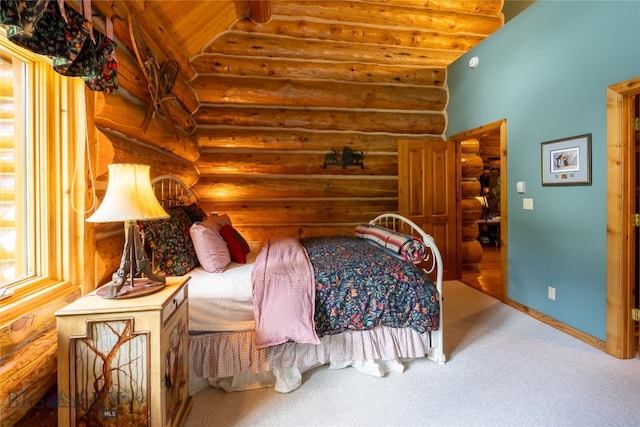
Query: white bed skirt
x,y
230,360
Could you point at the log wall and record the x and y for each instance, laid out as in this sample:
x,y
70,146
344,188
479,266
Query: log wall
x,y
282,86
270,114
267,115
274,86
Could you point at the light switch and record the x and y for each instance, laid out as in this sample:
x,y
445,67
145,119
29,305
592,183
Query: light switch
x,y
527,204
520,187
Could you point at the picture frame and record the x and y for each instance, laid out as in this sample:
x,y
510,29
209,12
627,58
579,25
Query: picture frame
x,y
567,161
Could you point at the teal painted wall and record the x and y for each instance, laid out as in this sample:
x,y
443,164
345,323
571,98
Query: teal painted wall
x,y
546,71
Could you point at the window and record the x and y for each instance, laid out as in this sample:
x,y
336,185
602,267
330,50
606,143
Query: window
x,y
14,186
42,163
42,134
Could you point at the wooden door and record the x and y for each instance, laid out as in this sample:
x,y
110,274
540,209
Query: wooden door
x,y
427,194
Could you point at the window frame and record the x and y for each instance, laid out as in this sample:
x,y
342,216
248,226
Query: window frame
x,y
55,125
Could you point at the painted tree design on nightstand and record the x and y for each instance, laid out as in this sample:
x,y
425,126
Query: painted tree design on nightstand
x,y
111,382
174,377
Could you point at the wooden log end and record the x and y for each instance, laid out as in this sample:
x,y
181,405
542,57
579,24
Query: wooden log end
x,y
471,165
471,252
470,146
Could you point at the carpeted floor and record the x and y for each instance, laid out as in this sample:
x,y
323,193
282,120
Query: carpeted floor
x,y
504,368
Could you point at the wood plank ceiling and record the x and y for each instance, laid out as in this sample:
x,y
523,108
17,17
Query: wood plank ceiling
x,y
279,83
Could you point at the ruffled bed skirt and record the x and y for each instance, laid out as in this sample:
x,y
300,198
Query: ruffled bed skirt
x,y
218,357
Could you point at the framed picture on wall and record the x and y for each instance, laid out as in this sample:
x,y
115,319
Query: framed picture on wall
x,y
567,161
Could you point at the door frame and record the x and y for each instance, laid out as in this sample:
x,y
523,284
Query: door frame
x,y
621,190
501,127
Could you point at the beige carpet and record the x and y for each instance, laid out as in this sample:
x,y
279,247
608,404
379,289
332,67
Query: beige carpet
x,y
504,368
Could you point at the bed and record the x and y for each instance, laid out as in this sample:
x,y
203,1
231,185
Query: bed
x,y
258,319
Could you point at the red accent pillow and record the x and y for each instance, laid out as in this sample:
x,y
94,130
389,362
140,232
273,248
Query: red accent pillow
x,y
238,247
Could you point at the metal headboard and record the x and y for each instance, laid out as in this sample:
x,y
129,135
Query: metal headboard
x,y
406,226
171,191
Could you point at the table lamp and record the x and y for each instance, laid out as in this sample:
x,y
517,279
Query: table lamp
x,y
130,198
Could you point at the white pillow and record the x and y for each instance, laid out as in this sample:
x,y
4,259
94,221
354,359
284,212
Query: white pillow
x,y
210,247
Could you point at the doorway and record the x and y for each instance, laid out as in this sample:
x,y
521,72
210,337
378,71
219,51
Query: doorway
x,y
490,276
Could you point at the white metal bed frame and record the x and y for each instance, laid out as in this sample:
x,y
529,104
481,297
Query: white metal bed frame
x,y
171,191
433,262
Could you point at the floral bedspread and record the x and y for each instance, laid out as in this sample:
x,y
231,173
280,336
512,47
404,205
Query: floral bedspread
x,y
360,286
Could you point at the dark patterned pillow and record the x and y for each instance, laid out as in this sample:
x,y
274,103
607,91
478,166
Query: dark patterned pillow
x,y
170,243
195,212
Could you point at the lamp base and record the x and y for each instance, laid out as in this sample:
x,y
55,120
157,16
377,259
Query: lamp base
x,y
140,287
134,278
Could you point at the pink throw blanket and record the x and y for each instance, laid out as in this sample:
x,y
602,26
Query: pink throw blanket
x,y
283,294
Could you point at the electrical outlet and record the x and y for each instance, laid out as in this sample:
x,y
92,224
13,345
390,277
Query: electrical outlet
x,y
551,293
527,204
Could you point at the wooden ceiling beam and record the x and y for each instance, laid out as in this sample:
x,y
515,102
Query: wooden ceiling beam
x,y
405,122
239,90
262,66
346,32
484,7
372,13
244,44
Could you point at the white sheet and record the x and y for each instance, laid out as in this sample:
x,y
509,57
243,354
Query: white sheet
x,y
222,301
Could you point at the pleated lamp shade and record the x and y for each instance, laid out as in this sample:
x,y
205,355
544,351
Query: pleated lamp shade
x,y
129,196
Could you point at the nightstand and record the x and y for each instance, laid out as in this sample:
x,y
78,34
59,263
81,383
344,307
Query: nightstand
x,y
125,361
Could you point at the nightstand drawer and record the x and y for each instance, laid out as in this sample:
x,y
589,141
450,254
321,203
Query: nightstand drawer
x,y
174,303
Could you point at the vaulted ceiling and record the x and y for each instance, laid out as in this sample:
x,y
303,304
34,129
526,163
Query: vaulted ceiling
x,y
399,32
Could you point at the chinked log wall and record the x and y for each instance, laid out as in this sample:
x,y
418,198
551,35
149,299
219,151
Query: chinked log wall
x,y
272,107
269,108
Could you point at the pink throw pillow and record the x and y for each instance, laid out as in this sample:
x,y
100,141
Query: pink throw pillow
x,y
210,247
